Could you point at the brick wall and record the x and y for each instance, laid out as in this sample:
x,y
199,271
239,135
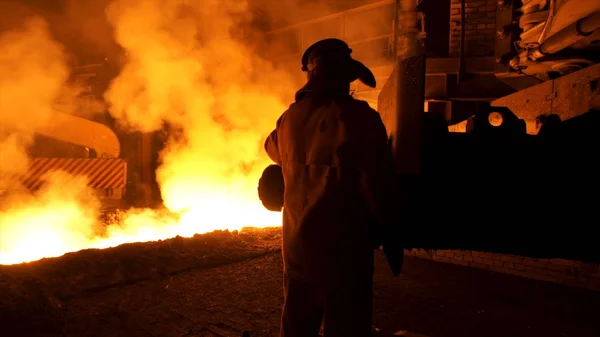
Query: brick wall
x,y
567,272
480,27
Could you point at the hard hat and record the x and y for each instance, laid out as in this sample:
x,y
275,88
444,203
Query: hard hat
x,y
338,51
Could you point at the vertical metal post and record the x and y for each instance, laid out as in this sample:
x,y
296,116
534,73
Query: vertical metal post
x,y
461,52
504,41
410,88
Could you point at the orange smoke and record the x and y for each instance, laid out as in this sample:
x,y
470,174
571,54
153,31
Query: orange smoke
x,y
184,68
30,82
60,217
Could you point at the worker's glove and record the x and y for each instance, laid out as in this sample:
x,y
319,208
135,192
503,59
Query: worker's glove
x,y
271,188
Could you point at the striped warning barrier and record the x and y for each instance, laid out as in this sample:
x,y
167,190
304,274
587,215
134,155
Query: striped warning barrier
x,y
101,173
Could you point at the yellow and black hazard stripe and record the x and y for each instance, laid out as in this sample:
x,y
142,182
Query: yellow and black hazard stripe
x,y
101,173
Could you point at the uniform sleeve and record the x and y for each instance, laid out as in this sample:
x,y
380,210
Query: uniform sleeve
x,y
378,177
272,143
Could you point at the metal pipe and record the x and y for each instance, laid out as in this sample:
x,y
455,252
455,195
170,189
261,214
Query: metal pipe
x,y
410,88
568,36
461,52
407,18
549,20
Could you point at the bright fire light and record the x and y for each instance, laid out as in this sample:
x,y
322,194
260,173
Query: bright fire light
x,y
184,68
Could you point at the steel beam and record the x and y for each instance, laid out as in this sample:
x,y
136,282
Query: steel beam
x,y
568,96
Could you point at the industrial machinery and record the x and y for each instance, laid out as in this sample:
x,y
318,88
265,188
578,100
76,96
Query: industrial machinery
x,y
79,147
554,37
502,156
522,178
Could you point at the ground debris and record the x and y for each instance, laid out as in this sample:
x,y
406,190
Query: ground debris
x,y
237,297
95,269
39,288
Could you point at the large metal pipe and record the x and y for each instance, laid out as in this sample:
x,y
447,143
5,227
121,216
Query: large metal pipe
x,y
461,51
406,29
568,36
83,132
410,88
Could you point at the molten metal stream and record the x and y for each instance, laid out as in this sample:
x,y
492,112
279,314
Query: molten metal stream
x,y
51,225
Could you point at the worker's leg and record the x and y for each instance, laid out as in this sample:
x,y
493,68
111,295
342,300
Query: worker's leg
x,y
302,309
349,308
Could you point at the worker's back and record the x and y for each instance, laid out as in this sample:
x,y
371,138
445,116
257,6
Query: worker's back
x,y
335,164
326,145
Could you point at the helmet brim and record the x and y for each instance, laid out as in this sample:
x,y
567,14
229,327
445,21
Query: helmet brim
x,y
363,73
358,71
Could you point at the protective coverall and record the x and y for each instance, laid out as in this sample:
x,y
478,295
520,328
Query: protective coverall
x,y
337,168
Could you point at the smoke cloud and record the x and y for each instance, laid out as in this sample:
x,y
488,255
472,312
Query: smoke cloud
x,y
30,82
186,68
62,216
197,67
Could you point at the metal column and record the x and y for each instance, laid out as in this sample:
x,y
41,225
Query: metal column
x,y
401,102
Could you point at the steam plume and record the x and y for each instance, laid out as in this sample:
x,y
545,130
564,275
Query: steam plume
x,y
185,68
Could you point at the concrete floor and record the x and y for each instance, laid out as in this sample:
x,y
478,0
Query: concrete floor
x,y
429,298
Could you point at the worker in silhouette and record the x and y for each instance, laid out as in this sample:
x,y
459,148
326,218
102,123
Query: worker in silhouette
x,y
337,171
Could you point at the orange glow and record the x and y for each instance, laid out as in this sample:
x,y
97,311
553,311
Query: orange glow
x,y
184,68
495,119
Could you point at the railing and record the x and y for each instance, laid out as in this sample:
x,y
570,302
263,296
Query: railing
x,y
343,32
334,16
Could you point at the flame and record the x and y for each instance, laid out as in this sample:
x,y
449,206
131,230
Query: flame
x,y
49,223
186,68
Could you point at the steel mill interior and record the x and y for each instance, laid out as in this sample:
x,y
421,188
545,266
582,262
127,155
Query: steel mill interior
x,y
133,156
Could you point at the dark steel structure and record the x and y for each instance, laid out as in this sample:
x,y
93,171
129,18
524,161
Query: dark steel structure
x,y
506,186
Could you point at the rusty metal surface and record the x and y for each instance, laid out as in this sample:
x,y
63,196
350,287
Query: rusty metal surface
x,y
386,103
407,42
569,12
574,93
569,35
503,44
401,104
530,103
410,95
401,101
568,96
